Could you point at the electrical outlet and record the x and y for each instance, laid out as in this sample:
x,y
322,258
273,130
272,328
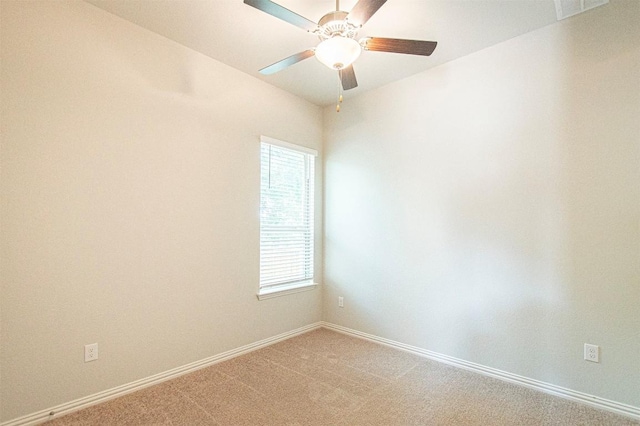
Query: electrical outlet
x,y
340,302
90,352
591,352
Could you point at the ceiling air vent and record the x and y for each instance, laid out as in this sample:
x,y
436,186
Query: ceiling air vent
x,y
566,8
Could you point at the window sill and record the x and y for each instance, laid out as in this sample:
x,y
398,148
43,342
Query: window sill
x,y
269,293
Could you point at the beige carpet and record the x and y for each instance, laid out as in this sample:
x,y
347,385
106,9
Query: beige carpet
x,y
326,378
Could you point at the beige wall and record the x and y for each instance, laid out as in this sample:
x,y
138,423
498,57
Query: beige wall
x,y
130,194
489,209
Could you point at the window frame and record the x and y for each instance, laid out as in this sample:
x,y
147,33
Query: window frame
x,y
275,290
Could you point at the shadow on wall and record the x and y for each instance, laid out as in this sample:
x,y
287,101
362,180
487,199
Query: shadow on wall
x,y
599,158
490,212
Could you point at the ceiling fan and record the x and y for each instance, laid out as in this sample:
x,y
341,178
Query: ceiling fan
x,y
337,31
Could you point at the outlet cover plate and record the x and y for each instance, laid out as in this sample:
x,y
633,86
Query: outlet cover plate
x,y
591,352
90,352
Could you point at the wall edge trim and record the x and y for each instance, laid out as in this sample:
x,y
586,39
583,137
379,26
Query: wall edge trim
x,y
118,391
548,388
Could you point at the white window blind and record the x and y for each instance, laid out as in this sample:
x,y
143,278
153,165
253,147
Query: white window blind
x,y
286,215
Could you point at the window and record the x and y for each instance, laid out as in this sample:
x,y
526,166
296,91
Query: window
x,y
286,218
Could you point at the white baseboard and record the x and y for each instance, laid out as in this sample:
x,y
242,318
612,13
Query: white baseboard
x,y
69,407
594,401
97,398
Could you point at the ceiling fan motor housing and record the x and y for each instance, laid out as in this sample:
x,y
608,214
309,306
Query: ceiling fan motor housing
x,y
336,24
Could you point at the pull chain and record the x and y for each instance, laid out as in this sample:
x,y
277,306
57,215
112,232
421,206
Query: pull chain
x,y
339,92
339,72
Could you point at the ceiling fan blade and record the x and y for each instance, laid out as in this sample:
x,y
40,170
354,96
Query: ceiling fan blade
x,y
283,13
364,10
286,62
396,45
348,78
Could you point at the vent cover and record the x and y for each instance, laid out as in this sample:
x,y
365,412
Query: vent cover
x,y
567,8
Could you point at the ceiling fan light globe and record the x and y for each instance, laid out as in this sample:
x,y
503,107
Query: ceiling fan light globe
x,y
338,52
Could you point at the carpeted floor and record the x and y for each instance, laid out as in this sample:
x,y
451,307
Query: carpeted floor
x,y
327,378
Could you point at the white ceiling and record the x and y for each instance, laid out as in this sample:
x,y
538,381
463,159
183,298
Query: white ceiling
x,y
248,39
